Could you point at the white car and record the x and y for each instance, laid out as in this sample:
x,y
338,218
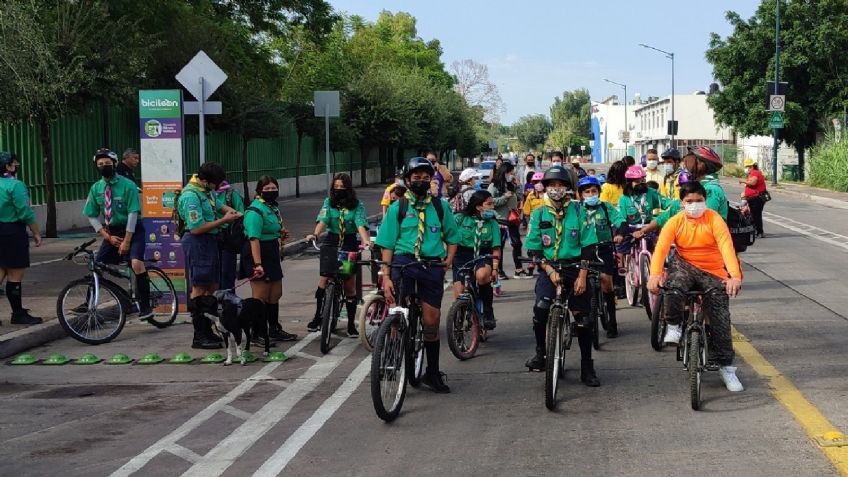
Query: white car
x,y
483,172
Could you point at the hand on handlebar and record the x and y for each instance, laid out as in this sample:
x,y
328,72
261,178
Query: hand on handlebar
x,y
654,285
732,286
579,285
311,237
637,234
618,239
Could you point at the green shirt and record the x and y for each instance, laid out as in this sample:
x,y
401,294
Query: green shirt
x,y
353,218
541,233
195,207
490,232
597,224
401,239
14,202
716,200
124,199
262,225
236,202
639,209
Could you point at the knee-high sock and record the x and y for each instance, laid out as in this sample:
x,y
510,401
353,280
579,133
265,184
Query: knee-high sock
x,y
13,294
432,350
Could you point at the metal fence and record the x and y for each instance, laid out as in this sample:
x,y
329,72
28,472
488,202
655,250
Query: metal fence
x,y
74,138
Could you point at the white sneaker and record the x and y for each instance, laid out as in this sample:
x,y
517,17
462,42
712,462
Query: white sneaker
x,y
728,375
673,334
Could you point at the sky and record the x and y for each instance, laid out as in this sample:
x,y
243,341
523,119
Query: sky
x,y
535,49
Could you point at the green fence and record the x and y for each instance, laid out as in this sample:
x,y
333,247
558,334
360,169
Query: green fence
x,y
74,138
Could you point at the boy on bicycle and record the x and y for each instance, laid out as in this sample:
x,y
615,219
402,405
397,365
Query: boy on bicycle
x,y
556,234
425,230
705,259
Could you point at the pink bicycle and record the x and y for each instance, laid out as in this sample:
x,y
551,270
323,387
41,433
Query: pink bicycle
x,y
637,264
371,314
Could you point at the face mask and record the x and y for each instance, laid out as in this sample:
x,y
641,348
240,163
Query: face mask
x,y
556,164
747,170
339,194
270,196
509,177
531,164
539,187
556,194
593,201
478,185
695,209
640,189
106,171
487,214
652,164
399,182
419,188
667,169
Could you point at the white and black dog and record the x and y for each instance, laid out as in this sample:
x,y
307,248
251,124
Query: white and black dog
x,y
236,316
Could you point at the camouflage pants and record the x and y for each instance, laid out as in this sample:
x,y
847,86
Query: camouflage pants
x,y
716,306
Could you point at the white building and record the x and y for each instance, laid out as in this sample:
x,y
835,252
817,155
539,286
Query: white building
x,y
695,120
608,125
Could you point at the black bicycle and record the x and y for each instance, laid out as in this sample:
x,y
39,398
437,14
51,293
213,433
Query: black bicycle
x,y
94,309
600,312
398,355
464,323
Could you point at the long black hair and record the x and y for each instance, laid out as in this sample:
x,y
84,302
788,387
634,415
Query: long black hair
x,y
500,182
477,199
350,201
615,175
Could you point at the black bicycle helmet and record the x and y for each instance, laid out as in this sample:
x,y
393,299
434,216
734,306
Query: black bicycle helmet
x,y
6,158
418,164
558,174
105,152
672,153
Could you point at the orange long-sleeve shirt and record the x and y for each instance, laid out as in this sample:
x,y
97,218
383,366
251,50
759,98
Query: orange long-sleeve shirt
x,y
704,242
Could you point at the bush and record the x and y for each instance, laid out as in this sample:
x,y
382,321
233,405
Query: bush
x,y
733,170
829,165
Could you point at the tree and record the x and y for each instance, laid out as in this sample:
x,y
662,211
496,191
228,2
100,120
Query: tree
x,y
532,130
571,119
59,58
811,33
473,84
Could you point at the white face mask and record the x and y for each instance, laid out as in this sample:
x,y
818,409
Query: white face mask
x,y
667,169
652,165
695,209
747,170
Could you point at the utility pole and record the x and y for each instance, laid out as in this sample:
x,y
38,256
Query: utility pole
x,y
776,89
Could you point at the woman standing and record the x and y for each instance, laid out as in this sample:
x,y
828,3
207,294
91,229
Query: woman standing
x,y
755,186
343,217
507,197
613,187
260,258
15,216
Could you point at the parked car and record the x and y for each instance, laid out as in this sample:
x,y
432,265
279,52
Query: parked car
x,y
483,172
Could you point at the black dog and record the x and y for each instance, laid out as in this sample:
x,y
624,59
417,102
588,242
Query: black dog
x,y
236,316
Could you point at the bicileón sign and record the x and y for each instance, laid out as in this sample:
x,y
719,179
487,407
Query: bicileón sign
x,y
159,103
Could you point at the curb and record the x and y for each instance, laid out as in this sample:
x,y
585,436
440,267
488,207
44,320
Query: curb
x,y
827,201
37,335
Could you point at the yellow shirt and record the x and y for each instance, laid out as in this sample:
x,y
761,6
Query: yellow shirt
x,y
387,195
611,193
533,201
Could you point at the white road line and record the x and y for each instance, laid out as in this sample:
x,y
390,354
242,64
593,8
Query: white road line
x,y
281,458
168,442
184,453
227,451
45,262
243,415
811,231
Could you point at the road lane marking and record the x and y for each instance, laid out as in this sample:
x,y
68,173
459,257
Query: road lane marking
x,y
805,413
275,464
184,453
811,231
170,441
235,412
45,262
228,450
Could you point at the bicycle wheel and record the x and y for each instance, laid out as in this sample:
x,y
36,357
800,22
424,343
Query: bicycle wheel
x,y
630,288
388,368
370,316
695,367
648,299
554,355
604,315
88,315
658,324
328,315
462,330
163,299
596,310
415,348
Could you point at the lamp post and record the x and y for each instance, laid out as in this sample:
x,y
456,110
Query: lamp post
x,y
670,56
626,131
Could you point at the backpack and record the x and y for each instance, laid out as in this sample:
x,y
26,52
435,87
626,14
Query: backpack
x,y
741,228
403,205
233,238
458,202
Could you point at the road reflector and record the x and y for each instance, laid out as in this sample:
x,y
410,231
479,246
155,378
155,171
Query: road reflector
x,y
832,439
182,358
24,359
151,358
276,357
56,359
249,357
213,358
739,337
119,358
88,358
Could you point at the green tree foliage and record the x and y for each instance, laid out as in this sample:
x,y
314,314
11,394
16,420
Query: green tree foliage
x,y
532,131
571,120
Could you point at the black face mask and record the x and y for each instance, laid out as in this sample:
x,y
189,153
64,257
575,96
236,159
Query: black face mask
x,y
419,188
270,196
640,189
339,194
107,171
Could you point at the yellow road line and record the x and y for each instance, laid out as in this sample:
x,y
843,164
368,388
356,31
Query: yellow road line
x,y
807,415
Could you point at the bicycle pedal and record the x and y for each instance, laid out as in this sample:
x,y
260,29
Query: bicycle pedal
x,y
712,367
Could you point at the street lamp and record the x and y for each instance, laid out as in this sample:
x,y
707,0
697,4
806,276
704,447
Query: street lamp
x,y
626,131
670,56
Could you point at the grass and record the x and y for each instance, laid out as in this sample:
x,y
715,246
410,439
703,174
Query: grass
x,y
733,170
829,165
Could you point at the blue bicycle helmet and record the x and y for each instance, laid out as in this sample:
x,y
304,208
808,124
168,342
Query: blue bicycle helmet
x,y
587,182
602,178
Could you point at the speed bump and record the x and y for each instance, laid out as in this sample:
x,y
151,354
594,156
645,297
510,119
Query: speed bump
x,y
276,357
24,360
118,359
151,358
212,358
88,358
56,359
182,358
249,357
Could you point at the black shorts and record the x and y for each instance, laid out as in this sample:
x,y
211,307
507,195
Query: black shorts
x,y
545,290
202,259
428,284
108,253
269,251
14,243
349,244
462,257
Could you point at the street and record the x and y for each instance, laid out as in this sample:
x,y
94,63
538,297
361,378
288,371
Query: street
x,y
312,415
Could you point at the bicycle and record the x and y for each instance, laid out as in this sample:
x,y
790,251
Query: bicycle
x,y
464,323
372,313
638,264
94,309
600,313
398,356
692,349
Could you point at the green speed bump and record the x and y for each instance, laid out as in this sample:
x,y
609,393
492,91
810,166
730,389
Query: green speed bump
x,y
88,358
24,359
56,359
212,358
182,358
276,357
119,358
248,356
151,358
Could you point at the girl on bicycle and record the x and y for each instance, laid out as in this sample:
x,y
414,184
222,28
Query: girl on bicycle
x,y
260,257
480,235
343,217
637,206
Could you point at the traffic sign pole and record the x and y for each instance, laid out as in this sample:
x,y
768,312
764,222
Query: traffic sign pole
x,y
327,145
776,86
201,124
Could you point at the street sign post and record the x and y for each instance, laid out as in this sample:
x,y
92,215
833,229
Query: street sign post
x,y
776,120
327,105
201,77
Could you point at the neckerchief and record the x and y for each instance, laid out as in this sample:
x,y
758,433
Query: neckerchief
x,y
640,206
421,207
275,210
107,203
196,182
559,214
478,234
342,212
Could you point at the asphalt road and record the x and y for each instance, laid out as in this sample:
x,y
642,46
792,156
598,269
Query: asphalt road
x,y
312,415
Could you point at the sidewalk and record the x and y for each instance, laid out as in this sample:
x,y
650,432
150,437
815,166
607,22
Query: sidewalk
x,y
829,198
49,273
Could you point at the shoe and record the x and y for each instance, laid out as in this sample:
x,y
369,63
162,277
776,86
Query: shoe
x,y
620,292
24,318
435,381
203,342
145,314
728,375
314,325
278,334
519,274
502,275
489,321
536,364
352,333
612,332
673,334
259,341
587,374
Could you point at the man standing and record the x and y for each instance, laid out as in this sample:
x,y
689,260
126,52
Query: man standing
x,y
129,161
529,170
653,172
442,178
671,173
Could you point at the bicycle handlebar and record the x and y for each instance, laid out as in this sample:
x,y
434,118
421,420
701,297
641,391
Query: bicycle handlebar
x,y
80,248
470,264
689,293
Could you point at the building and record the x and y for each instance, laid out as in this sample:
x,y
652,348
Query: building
x,y
695,123
608,126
